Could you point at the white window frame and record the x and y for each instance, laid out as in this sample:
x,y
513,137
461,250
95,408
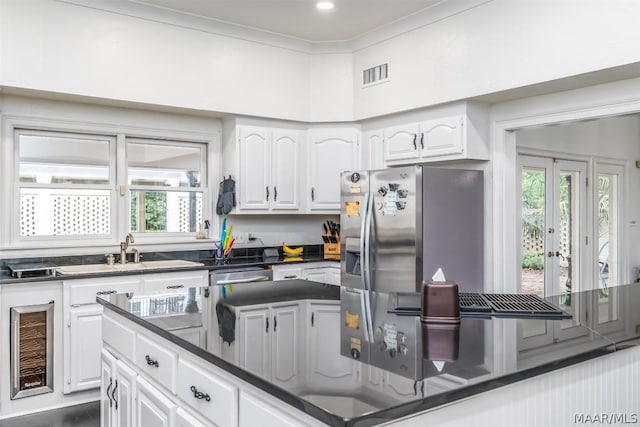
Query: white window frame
x,y
135,125
20,240
203,189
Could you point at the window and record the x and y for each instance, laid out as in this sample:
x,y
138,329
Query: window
x,y
67,187
65,184
166,187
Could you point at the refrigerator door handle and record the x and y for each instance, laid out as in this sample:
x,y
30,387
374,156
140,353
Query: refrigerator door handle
x,y
367,242
365,306
363,236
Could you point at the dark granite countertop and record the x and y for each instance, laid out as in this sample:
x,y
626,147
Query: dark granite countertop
x,y
241,259
481,355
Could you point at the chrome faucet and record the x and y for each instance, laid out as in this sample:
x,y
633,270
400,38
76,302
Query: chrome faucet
x,y
136,256
123,248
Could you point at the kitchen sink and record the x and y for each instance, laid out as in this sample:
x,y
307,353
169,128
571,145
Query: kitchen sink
x,y
168,263
70,270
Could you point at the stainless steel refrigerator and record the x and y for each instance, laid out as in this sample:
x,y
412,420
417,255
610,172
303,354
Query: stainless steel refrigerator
x,y
398,227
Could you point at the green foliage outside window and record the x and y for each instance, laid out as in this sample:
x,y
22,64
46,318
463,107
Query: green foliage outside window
x,y
154,204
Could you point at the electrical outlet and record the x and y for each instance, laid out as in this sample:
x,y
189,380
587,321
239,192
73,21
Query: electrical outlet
x,y
240,237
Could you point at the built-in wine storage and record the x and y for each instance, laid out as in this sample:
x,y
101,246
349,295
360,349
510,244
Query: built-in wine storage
x,y
31,350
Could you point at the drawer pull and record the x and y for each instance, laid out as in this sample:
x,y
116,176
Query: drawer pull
x,y
106,292
175,286
151,362
200,395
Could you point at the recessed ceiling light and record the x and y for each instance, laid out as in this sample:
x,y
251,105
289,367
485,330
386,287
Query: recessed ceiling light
x,y
324,5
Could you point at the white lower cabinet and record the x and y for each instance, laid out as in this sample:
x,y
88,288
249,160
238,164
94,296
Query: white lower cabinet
x,y
321,272
153,408
184,419
326,365
117,399
84,342
82,335
268,338
287,272
257,412
207,394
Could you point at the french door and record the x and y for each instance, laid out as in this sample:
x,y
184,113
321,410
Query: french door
x,y
553,239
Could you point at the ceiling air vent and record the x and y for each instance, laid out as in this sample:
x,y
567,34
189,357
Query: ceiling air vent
x,y
375,75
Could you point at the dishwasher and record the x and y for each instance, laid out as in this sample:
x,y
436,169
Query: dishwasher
x,y
240,275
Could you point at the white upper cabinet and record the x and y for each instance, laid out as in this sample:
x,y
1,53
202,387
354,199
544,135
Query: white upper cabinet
x,y
373,152
441,137
401,143
268,175
331,152
254,174
285,172
458,132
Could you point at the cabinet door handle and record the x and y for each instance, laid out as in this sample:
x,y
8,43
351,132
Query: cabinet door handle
x,y
312,318
108,395
267,190
313,196
422,140
113,394
267,329
200,395
415,136
275,193
175,286
151,362
106,292
275,323
289,277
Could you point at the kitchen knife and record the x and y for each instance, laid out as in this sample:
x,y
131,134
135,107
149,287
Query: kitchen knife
x,y
326,230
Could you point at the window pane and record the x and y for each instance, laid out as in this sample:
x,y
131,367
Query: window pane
x,y
165,211
55,159
60,212
164,165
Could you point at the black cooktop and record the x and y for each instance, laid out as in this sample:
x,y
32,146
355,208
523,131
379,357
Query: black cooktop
x,y
496,305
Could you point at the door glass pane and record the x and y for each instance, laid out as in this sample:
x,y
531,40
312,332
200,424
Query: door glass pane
x,y
568,236
533,231
533,240
607,245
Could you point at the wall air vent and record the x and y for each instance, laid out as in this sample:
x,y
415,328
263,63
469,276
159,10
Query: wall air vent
x,y
375,75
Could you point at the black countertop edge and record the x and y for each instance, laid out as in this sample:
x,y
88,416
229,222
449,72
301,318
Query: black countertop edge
x,y
432,402
208,264
382,416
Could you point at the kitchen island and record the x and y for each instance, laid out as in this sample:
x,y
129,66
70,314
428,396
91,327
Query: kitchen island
x,y
270,356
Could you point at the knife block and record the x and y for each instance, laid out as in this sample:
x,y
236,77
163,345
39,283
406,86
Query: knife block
x,y
332,250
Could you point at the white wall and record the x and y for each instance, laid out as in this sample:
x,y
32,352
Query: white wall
x,y
331,97
59,47
610,137
500,45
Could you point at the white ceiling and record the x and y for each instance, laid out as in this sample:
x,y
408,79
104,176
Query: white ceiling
x,y
300,18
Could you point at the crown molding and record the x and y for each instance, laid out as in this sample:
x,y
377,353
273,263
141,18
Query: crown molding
x,y
422,18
